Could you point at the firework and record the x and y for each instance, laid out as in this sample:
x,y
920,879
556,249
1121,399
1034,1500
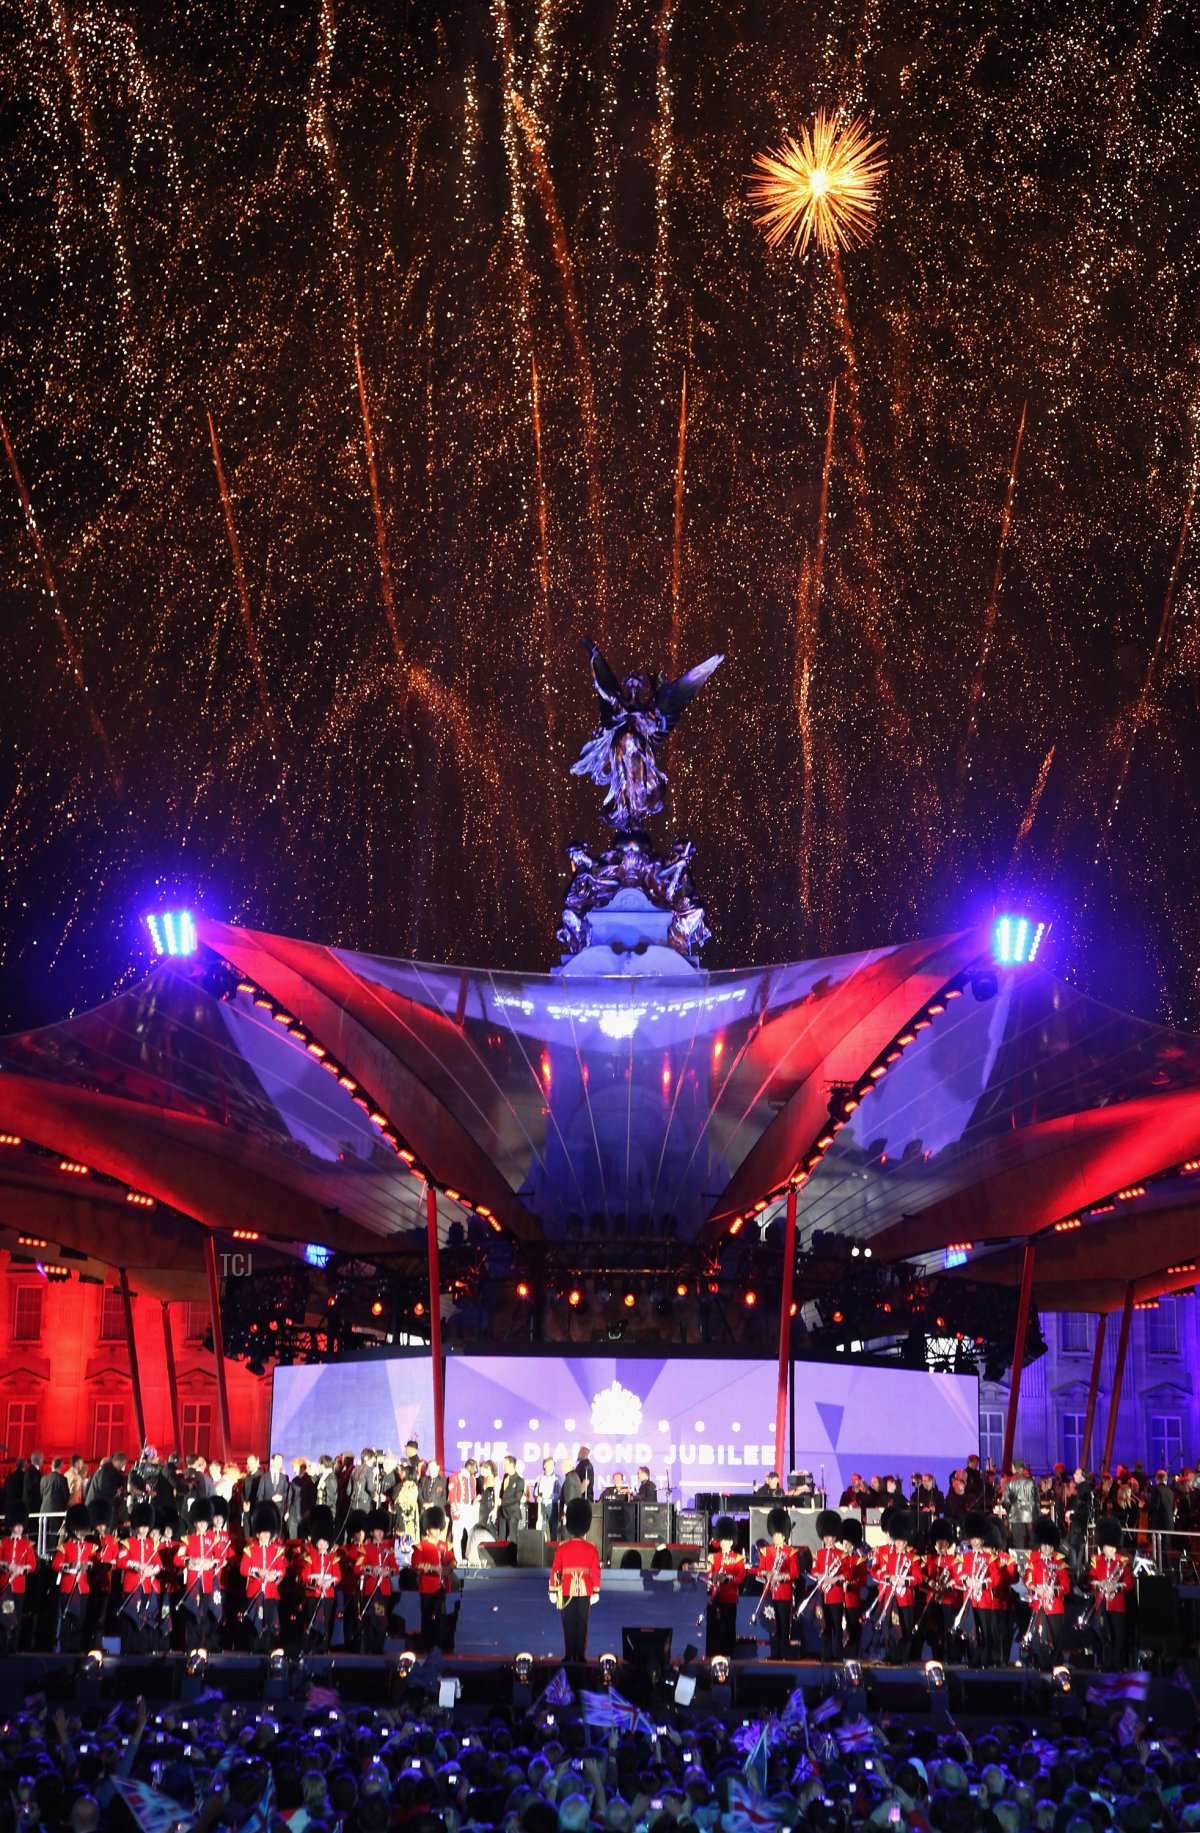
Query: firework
x,y
822,187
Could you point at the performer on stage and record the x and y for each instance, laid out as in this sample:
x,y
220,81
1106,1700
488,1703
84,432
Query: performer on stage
x,y
647,1488
378,1581
575,1579
546,1493
264,1568
979,1573
433,1562
945,1593
778,1570
1048,1580
140,1565
829,1567
201,1557
18,1559
1110,1576
854,1585
512,1499
726,1571
898,1572
321,1576
72,1562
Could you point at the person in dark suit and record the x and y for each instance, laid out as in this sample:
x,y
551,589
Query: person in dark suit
x,y
512,1499
587,1474
647,1489
570,1489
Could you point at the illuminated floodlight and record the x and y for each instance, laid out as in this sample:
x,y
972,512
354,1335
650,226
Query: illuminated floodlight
x,y
316,1255
172,932
1016,940
954,1257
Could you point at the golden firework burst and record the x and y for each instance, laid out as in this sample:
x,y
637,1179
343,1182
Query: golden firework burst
x,y
822,187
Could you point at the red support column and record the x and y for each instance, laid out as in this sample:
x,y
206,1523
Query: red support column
x,y
1118,1376
1018,1360
435,1330
214,1306
135,1379
785,1330
172,1379
1089,1418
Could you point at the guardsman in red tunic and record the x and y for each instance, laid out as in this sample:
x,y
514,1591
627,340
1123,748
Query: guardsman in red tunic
x,y
979,1575
1110,1576
321,1577
433,1563
202,1555
353,1552
778,1570
944,1587
829,1572
854,1584
1047,1580
899,1572
167,1534
18,1559
575,1578
378,1576
139,1564
264,1568
72,1562
726,1572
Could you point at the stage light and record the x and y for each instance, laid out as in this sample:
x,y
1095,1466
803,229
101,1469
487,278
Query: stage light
x,y
31,1241
750,1300
276,1661
73,1166
524,1669
629,1301
316,1255
172,932
855,1251
1061,1677
93,1663
419,1309
720,1670
245,1234
853,1673
14,1139
377,1308
522,1289
866,1253
935,1675
953,1257
608,1668
405,1666
574,1297
196,1663
681,1290
1016,940
139,1199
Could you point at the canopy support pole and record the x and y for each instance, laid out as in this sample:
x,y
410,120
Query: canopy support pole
x,y
135,1378
214,1306
1110,1435
785,1331
1089,1418
172,1379
1018,1357
435,1330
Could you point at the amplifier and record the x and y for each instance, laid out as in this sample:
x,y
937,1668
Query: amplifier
x,y
691,1527
654,1521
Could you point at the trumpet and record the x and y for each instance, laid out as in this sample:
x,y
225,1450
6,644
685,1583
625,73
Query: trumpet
x,y
766,1608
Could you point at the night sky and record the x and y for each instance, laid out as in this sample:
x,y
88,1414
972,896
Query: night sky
x,y
342,360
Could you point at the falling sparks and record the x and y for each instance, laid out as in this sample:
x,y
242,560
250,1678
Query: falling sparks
x,y
823,187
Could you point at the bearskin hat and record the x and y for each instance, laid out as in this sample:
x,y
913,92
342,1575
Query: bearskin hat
x,y
1046,1531
829,1523
100,1512
943,1530
141,1517
220,1510
779,1522
15,1519
852,1530
975,1526
995,1533
201,1512
168,1519
357,1522
724,1528
321,1525
901,1525
1109,1532
265,1519
433,1518
379,1518
578,1516
78,1521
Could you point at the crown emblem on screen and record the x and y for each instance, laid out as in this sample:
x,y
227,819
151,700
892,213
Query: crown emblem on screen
x,y
616,1411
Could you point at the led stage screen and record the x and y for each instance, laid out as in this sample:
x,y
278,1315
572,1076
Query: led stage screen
x,y
707,1425
342,1406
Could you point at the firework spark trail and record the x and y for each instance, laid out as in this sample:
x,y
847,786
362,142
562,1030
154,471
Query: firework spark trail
x,y
808,629
381,546
543,548
239,574
992,607
1138,717
1030,815
317,129
52,593
508,133
664,153
677,542
583,367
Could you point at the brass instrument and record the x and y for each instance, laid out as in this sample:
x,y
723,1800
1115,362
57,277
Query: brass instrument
x,y
764,1606
825,1581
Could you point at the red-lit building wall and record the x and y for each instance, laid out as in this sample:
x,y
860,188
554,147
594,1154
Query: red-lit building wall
x,y
64,1374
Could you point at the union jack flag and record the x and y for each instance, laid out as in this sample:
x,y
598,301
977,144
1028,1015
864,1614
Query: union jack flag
x,y
856,1736
747,1812
755,1767
610,1710
828,1708
1111,1689
559,1693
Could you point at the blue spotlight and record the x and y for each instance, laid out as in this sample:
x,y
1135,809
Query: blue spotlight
x,y
1016,940
172,932
317,1256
